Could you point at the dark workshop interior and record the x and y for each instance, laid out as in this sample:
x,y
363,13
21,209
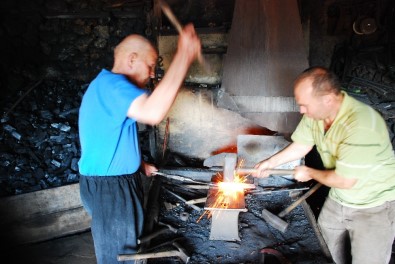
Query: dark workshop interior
x,y
239,104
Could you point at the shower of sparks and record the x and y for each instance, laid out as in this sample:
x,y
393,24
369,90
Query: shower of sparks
x,y
228,193
230,189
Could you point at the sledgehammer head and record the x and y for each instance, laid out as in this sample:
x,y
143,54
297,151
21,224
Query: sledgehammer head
x,y
274,221
230,163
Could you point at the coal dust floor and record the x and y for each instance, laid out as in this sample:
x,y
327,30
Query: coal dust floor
x,y
298,244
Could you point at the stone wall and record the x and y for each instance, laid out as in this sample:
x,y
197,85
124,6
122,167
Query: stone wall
x,y
63,39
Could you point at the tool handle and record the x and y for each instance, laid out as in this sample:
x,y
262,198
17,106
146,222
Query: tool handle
x,y
270,171
174,21
280,171
126,257
169,14
301,199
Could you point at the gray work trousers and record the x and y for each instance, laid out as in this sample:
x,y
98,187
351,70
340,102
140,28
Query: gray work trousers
x,y
358,236
115,204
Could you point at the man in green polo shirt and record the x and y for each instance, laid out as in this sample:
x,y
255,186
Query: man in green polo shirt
x,y
353,142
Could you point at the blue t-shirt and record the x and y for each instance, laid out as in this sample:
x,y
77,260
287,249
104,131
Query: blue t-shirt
x,y
109,139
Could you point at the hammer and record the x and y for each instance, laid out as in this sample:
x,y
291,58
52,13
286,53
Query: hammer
x,y
172,18
276,221
177,252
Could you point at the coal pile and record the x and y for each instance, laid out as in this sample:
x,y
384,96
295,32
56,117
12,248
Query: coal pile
x,y
39,145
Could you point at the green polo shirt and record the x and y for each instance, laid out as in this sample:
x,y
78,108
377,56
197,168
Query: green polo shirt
x,y
357,145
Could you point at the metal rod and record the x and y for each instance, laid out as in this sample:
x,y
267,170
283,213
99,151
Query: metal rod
x,y
178,178
197,208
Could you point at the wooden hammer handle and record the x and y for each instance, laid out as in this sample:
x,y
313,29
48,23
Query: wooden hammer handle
x,y
301,199
270,171
169,14
174,21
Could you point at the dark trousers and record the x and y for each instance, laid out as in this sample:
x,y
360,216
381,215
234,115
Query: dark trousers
x,y
115,205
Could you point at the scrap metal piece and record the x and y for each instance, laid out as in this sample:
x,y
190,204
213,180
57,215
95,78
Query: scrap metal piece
x,y
197,208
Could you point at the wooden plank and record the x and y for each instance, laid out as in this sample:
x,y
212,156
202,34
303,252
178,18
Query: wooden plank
x,y
46,227
30,205
42,215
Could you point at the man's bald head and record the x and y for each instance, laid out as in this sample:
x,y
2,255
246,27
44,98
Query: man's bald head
x,y
135,57
133,43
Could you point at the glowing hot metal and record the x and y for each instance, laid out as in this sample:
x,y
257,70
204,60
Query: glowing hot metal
x,y
225,201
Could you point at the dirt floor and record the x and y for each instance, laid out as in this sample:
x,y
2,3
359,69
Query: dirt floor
x,y
192,230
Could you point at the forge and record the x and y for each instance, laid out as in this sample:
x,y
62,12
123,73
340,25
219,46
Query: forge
x,y
226,198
